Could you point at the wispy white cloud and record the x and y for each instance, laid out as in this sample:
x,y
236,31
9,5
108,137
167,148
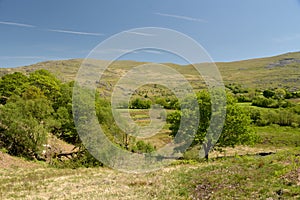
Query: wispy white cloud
x,y
109,51
74,32
150,51
181,17
51,30
139,33
17,24
21,57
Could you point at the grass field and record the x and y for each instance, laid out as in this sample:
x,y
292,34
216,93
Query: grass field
x,y
239,177
237,173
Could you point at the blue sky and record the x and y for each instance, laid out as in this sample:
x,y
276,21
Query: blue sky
x,y
35,30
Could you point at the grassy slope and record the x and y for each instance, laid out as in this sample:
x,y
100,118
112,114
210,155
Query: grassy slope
x,y
246,177
276,176
253,73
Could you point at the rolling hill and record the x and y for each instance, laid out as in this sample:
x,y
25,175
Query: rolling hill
x,y
282,71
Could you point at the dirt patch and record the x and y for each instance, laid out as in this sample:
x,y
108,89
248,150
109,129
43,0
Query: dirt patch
x,y
7,161
206,189
55,147
292,178
59,145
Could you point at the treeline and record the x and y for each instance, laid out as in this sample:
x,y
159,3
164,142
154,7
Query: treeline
x,y
36,106
33,107
270,106
146,102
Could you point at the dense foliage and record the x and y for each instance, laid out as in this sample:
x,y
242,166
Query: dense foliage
x,y
273,106
28,111
140,104
35,106
236,128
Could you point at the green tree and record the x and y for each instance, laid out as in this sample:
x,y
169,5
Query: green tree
x,y
279,93
47,83
62,106
140,104
236,129
268,93
143,147
24,124
12,84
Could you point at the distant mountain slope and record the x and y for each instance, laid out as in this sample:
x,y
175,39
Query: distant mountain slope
x,y
276,71
64,69
262,73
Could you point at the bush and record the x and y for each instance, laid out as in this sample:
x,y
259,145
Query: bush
x,y
140,104
265,102
296,109
236,88
143,147
268,93
168,103
282,117
284,104
255,115
84,159
296,94
243,98
24,126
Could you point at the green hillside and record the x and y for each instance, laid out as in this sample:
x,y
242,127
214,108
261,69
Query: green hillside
x,y
271,72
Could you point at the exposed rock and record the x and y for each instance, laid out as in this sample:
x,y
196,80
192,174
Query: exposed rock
x,y
283,62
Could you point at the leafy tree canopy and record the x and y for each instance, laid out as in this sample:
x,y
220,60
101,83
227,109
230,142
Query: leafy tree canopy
x,y
236,129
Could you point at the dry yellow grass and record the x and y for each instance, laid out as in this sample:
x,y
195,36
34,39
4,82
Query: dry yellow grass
x,y
248,177
83,183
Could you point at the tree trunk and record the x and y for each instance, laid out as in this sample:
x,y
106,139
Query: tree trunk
x,y
206,156
207,146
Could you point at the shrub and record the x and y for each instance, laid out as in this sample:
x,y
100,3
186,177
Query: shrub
x,y
265,102
24,125
83,159
168,103
268,93
143,147
140,104
243,98
296,109
282,117
255,115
